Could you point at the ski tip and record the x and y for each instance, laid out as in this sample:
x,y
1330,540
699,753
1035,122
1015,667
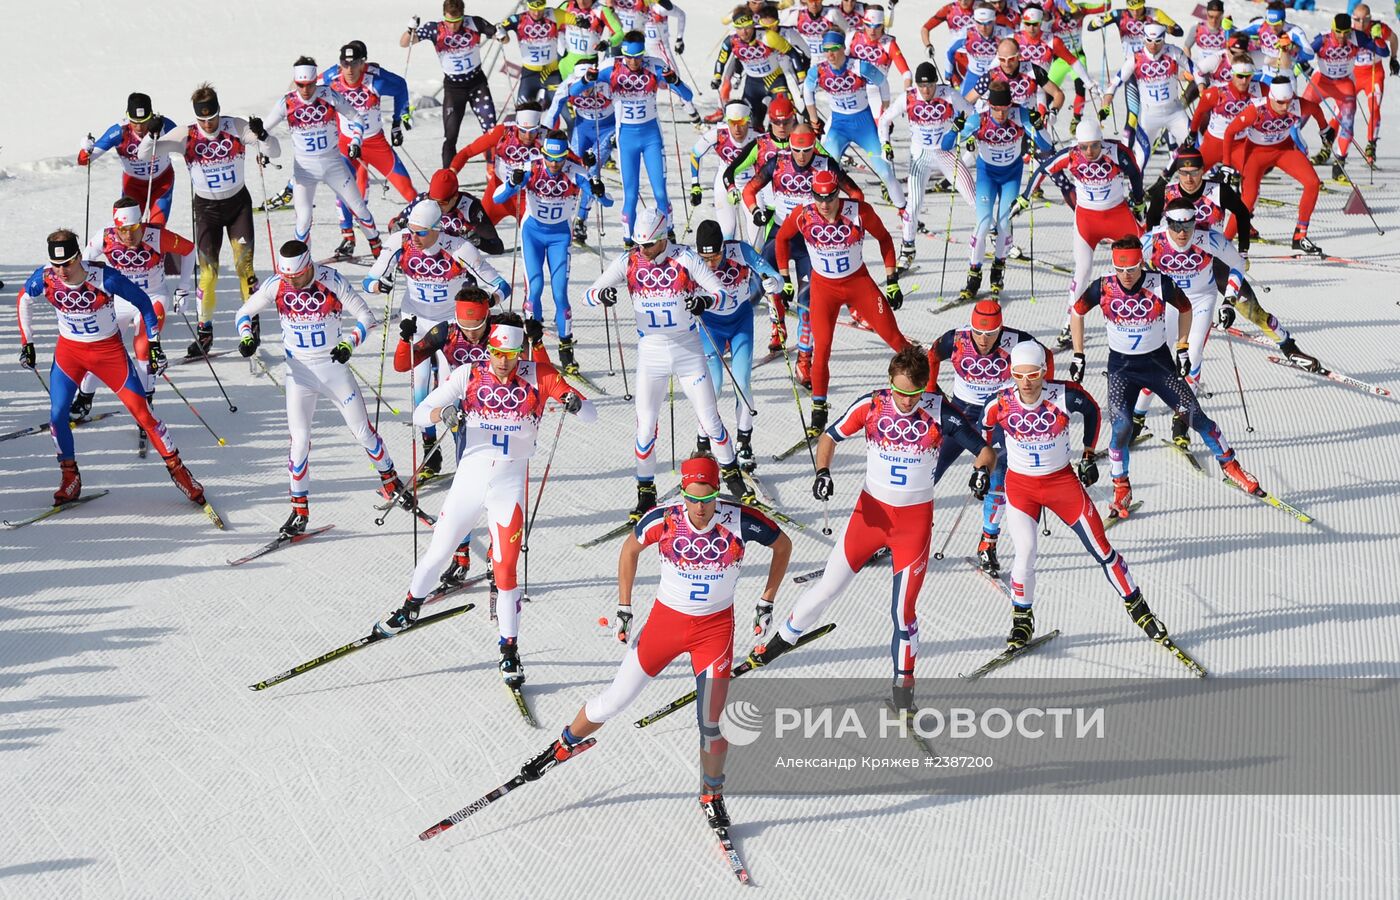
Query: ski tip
x,y
257,687
436,830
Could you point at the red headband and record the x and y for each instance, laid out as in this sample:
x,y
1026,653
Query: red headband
x,y
472,309
1127,257
701,470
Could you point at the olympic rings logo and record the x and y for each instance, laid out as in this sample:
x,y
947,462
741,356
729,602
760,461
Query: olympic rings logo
x,y
1181,262
1037,421
1131,308
999,134
464,353
1210,40
75,299
868,52
731,273
656,278
1035,52
835,83
123,258
751,52
461,40
794,183
358,97
988,367
502,396
1275,126
311,114
902,430
422,266
301,302
1161,67
552,187
701,547
629,81
211,149
979,45
1095,170
1232,108
536,30
839,233
515,153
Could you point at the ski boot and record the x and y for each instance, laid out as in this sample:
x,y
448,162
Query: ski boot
x,y
859,321
1022,627
81,408
804,368
1179,431
702,443
281,201
458,570
1233,471
558,752
70,484
376,247
712,804
1290,350
203,340
142,442
1303,243
902,694
1369,154
997,276
646,500
906,256
567,363
512,670
987,555
184,480
1139,426
579,232
346,249
1144,618
1122,498
736,485
390,486
747,461
1064,340
401,618
296,522
818,422
778,336
1324,150
974,284
1338,175
432,460
765,653
942,186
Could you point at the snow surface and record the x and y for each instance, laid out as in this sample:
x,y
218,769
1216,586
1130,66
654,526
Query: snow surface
x,y
137,763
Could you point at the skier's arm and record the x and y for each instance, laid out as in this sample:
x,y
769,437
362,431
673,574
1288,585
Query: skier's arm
x,y
553,385
260,300
353,301
449,393
383,263
1233,203
395,87
478,147
748,154
33,287
615,275
1081,401
940,350
407,355
483,271
876,229
755,261
170,242
114,282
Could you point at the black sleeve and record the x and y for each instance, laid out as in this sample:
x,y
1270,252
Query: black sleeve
x,y
1041,76
1081,401
957,426
1156,203
487,28
483,233
1231,202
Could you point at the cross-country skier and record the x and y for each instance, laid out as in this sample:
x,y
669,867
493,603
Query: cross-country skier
x,y
1335,53
727,139
457,42
762,59
508,146
538,30
463,215
1157,71
144,178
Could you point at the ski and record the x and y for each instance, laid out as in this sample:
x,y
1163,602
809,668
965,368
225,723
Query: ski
x,y
278,543
486,800
1184,658
42,429
1332,376
994,580
767,358
731,856
373,637
763,493
1008,655
1274,502
358,259
1186,454
1110,520
805,577
55,510
778,514
212,354
800,445
908,716
627,526
586,382
519,697
208,509
744,667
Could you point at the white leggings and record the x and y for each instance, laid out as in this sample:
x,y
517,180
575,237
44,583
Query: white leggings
x,y
1152,121
923,162
305,383
659,359
333,172
726,213
498,487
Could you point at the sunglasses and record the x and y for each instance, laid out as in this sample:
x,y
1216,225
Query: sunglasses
x,y
785,120
1181,224
824,198
424,233
649,244
985,333
1027,376
496,351
1243,75
695,498
1091,145
903,393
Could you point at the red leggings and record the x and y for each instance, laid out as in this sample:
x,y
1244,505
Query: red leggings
x,y
375,151
1213,151
1341,91
1260,160
498,211
858,292
153,195
1370,80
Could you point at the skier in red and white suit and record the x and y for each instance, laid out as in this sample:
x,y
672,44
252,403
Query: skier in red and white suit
x,y
701,544
497,406
903,427
833,230
1034,417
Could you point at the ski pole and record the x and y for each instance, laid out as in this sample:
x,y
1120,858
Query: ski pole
x,y
1240,386
956,522
947,239
413,443
205,353
621,360
811,454
384,348
268,372
530,513
41,380
87,199
1343,166
178,393
1032,260
406,155
267,217
378,398
398,495
671,402
720,352
676,142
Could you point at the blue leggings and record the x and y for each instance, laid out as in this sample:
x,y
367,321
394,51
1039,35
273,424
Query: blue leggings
x,y
735,332
550,242
859,129
599,137
948,451
997,187
635,143
1128,375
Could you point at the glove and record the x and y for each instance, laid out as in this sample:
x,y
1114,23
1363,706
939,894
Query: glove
x,y
396,136
970,144
959,121
1087,469
341,352
1036,119
354,150
1225,315
818,126
408,327
157,357
889,151
1139,208
697,196
715,83
597,187
413,24
695,304
1104,112
534,331
607,296
262,159
980,482
500,287
735,198
590,159
181,295
1227,173
1076,368
84,157
932,53
761,215
1395,67
249,345
27,357
85,149
590,73
1183,361
255,125
451,416
1192,142
624,622
762,617
680,45
893,292
1023,202
823,487
517,177
670,77
406,120
572,403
